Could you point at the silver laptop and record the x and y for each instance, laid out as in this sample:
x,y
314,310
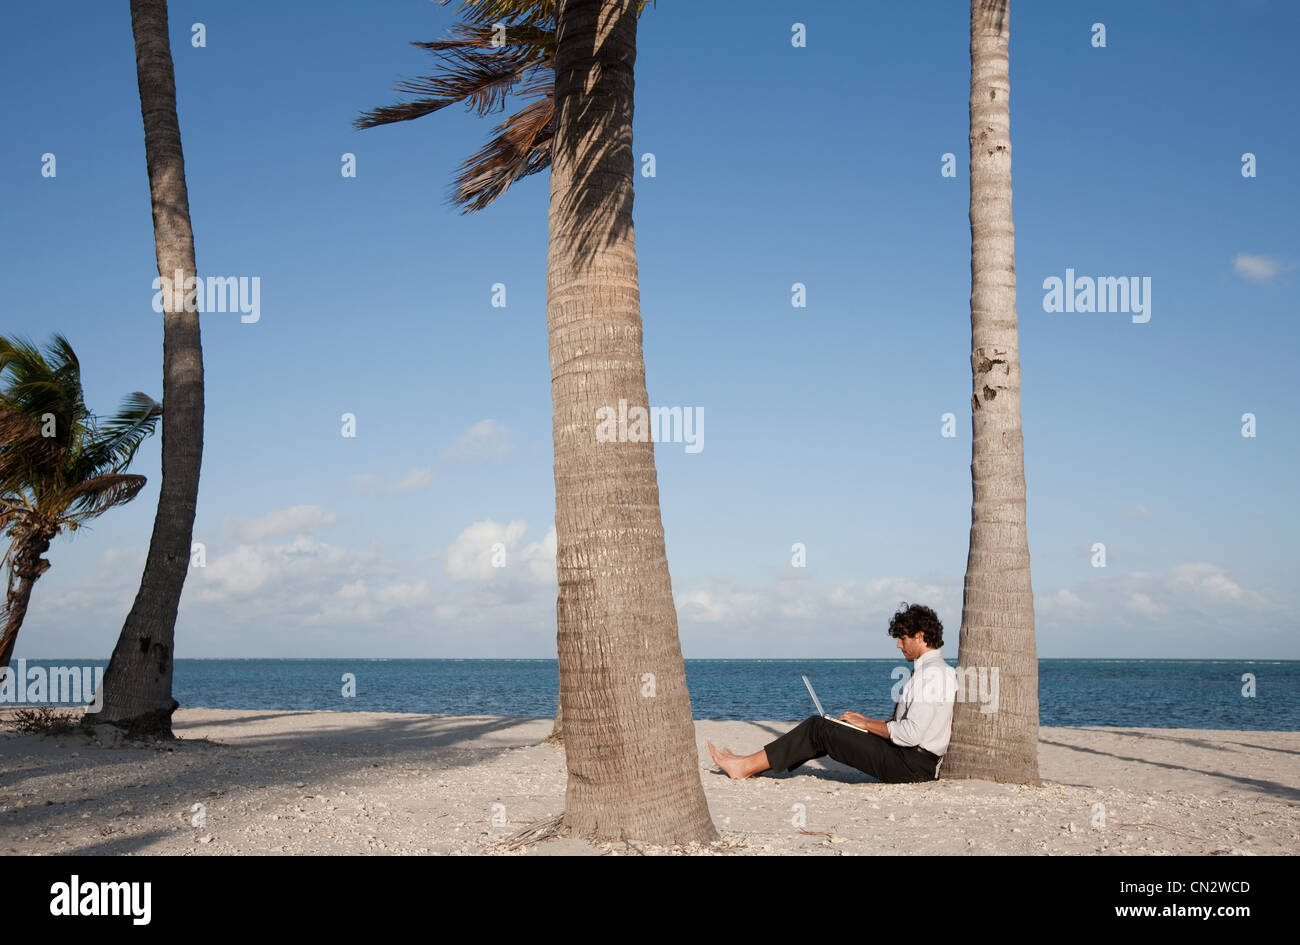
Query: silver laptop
x,y
817,702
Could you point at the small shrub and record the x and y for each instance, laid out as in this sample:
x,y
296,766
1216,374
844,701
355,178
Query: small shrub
x,y
43,720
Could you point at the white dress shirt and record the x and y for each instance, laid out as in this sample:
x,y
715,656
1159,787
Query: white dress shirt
x,y
923,715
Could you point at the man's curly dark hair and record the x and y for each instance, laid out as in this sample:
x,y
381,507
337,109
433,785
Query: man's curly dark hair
x,y
917,618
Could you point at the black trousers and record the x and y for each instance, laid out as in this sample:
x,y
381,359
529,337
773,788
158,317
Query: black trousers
x,y
879,757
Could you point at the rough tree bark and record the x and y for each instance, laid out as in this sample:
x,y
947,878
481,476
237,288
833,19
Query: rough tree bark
x,y
138,682
997,626
629,737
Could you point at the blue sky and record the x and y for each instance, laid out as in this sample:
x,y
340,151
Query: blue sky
x,y
775,165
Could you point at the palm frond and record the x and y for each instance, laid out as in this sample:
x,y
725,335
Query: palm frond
x,y
481,73
76,473
94,497
472,70
521,147
24,452
60,352
507,11
115,441
38,387
535,40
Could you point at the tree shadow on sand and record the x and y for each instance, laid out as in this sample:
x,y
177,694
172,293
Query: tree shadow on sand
x,y
321,758
1262,785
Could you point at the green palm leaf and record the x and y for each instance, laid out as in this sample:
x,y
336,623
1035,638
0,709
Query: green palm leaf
x,y
59,463
116,440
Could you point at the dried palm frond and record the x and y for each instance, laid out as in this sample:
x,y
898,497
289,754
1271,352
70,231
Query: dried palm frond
x,y
94,497
507,47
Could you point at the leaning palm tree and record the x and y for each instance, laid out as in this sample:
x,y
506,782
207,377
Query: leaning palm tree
x,y
629,737
997,624
138,682
60,466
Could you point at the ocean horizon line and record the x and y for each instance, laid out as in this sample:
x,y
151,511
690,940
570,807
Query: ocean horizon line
x,y
689,659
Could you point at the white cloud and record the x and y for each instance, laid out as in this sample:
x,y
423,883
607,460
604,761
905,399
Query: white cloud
x,y
1142,603
355,589
793,615
304,597
888,593
356,604
240,572
1194,609
297,520
1192,598
1256,268
414,592
249,567
417,480
471,555
487,439
715,606
539,558
1063,599
1207,581
305,583
844,604
367,483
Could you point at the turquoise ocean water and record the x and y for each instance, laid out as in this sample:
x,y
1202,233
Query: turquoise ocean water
x,y
1148,693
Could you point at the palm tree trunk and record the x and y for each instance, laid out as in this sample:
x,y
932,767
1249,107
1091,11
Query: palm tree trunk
x,y
629,738
28,566
997,628
557,730
138,682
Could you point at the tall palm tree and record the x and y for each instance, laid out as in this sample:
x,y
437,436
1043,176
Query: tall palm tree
x,y
476,68
60,466
997,627
629,738
138,682
632,758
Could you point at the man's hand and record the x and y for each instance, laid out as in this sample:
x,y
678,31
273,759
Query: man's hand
x,y
858,721
874,726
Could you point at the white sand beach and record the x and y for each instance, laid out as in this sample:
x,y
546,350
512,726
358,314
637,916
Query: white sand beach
x,y
345,783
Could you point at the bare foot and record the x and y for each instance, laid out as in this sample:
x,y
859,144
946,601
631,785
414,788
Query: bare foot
x,y
733,764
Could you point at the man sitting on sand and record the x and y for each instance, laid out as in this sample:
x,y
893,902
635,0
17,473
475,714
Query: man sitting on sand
x,y
908,747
